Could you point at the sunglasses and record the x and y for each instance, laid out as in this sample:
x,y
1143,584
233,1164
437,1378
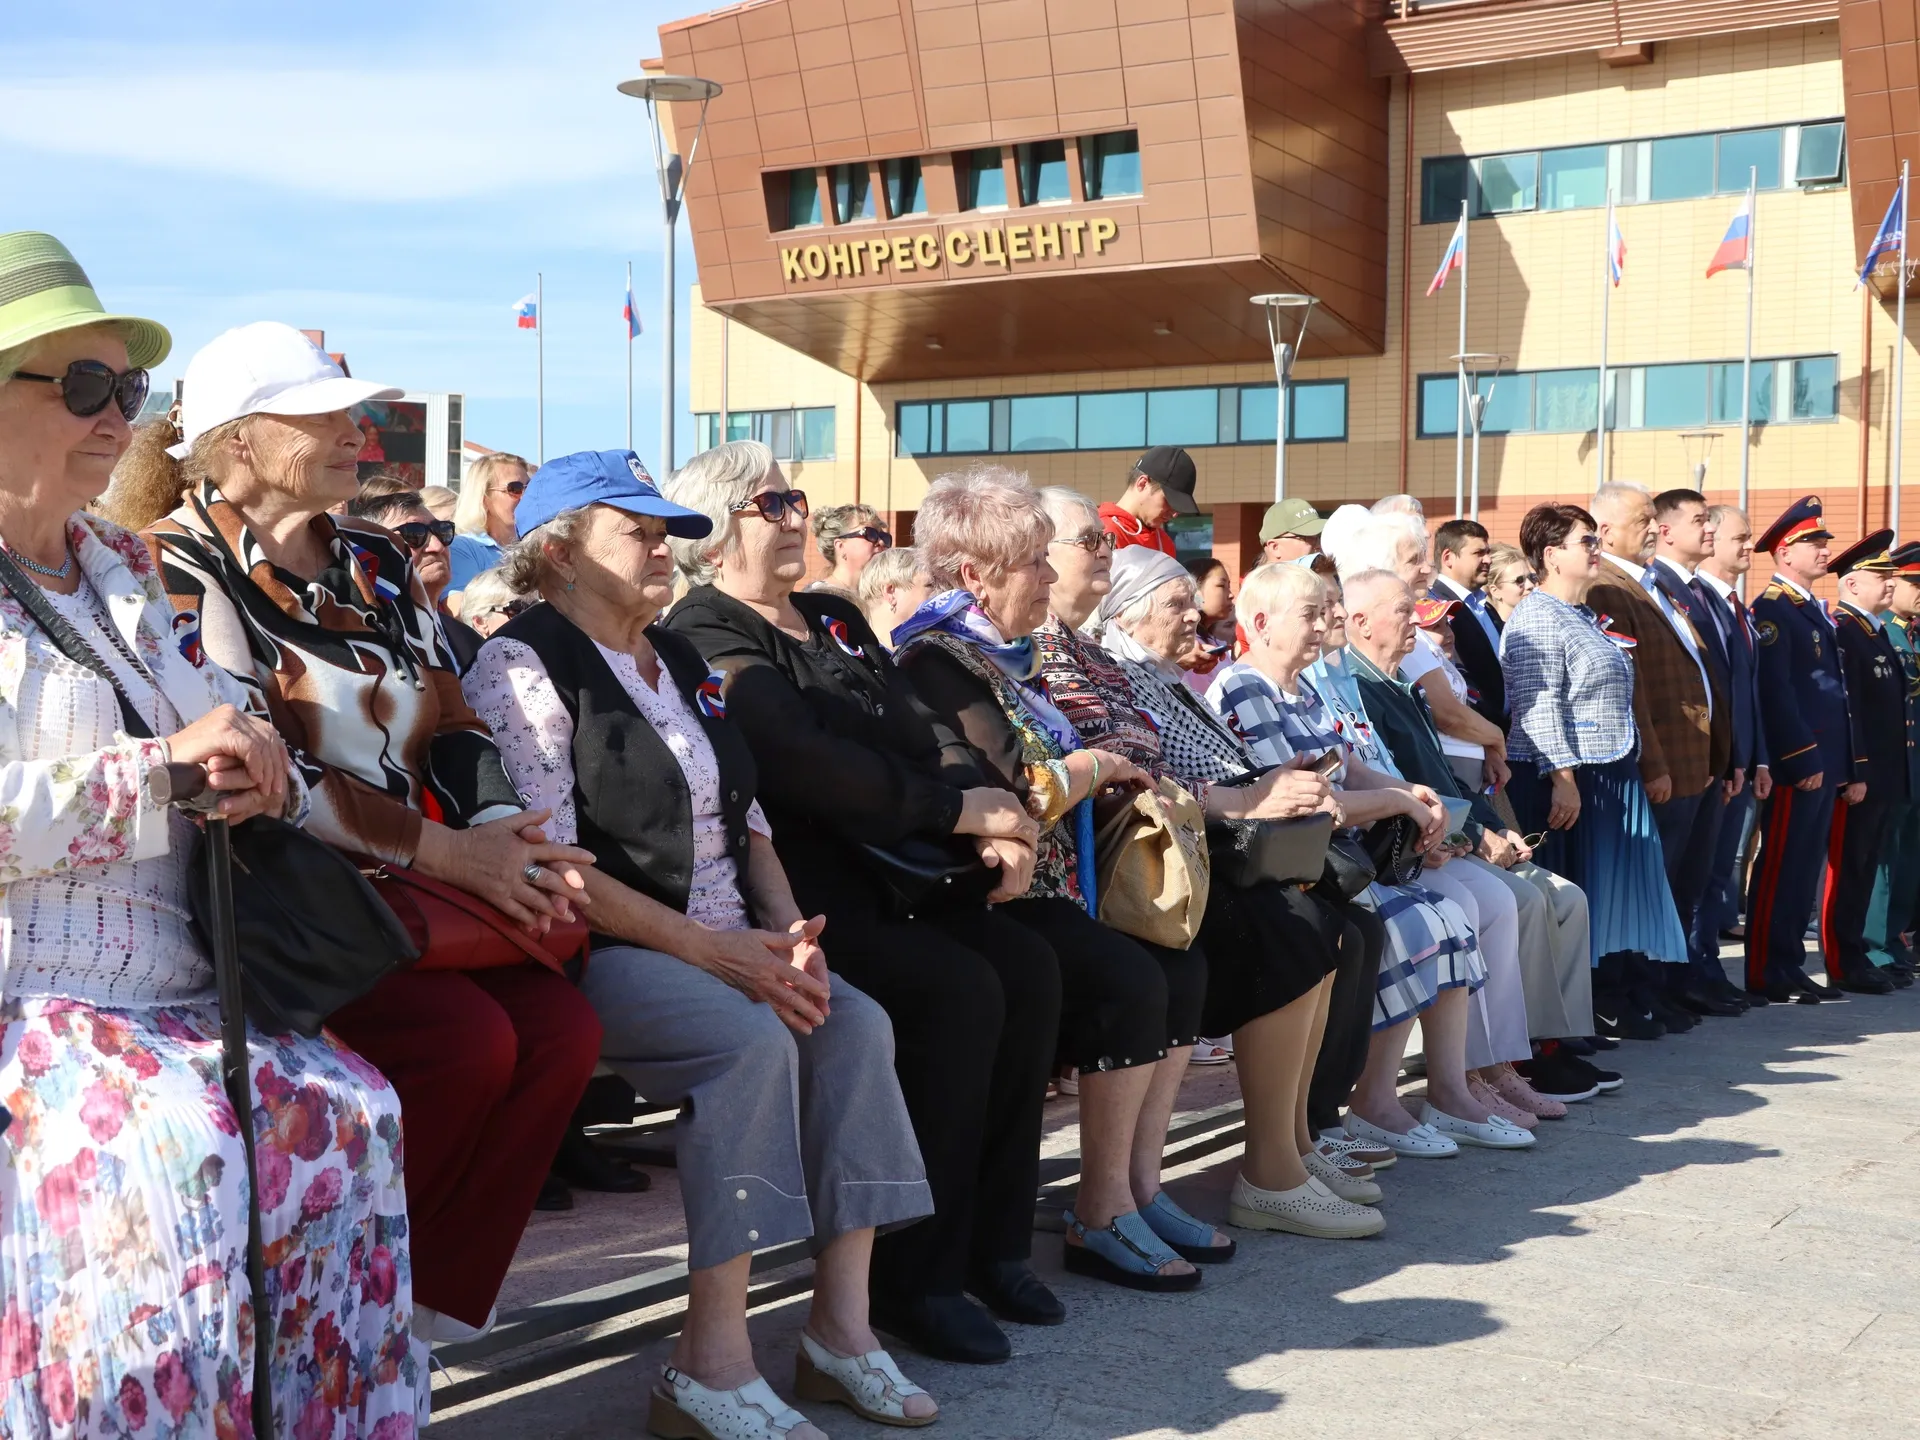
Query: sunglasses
x,y
1535,840
1094,542
872,534
89,386
773,505
511,608
416,533
512,487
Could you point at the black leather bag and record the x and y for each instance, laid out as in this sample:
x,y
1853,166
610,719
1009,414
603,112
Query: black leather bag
x,y
1289,852
1349,869
1391,846
919,875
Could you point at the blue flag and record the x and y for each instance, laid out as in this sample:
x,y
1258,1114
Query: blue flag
x,y
1887,240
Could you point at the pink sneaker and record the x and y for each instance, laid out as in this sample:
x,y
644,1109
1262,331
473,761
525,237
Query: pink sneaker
x,y
1497,1105
1508,1085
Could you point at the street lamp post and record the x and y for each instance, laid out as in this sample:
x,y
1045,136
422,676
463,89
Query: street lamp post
x,y
1287,317
1475,365
657,90
1699,448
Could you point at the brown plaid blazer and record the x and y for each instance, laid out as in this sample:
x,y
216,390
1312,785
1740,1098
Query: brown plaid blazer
x,y
1669,698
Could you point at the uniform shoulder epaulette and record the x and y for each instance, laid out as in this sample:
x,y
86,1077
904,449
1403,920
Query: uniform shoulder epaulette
x,y
1843,613
1777,591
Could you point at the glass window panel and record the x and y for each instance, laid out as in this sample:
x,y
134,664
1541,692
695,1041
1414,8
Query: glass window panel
x,y
1566,400
986,181
740,425
1816,383
1445,181
1110,164
968,423
1229,414
1507,183
1319,411
1042,422
852,195
1820,150
803,198
1439,405
706,429
1113,420
906,187
816,433
1742,151
1676,397
1183,417
1509,403
1042,167
1574,178
912,427
1682,168
1002,425
1724,393
1259,413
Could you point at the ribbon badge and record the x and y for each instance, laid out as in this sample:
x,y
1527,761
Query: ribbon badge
x,y
837,632
1625,642
712,703
186,634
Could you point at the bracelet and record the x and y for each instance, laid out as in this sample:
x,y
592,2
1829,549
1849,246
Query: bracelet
x,y
1093,788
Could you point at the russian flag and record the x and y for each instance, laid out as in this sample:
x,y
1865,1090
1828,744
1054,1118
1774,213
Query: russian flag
x,y
631,314
526,313
1616,248
1454,259
1888,239
1736,246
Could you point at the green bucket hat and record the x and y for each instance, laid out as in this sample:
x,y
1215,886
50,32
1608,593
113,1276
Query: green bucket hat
x,y
43,291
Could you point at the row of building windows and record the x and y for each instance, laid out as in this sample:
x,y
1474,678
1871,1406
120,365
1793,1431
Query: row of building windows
x,y
1639,397
1121,419
1109,167
1638,172
791,434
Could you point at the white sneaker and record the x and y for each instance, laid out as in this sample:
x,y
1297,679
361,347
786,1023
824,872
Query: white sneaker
x,y
1496,1134
1337,1146
1422,1142
1354,1189
431,1325
1309,1209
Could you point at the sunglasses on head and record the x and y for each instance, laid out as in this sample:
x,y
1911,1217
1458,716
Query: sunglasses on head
x,y
773,505
89,386
415,533
1094,542
872,534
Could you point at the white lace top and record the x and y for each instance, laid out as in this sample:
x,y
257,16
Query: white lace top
x,y
509,689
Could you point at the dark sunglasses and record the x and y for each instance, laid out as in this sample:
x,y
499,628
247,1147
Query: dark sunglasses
x,y
513,487
773,505
511,608
872,534
1094,542
415,533
89,386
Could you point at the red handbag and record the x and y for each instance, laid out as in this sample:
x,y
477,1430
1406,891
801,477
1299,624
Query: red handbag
x,y
457,931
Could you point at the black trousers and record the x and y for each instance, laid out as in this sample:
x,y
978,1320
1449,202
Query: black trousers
x,y
975,1002
1795,829
1343,1050
1854,847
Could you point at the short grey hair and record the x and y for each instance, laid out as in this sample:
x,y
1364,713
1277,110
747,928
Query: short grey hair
x,y
1377,544
526,563
1619,490
713,482
1717,515
1364,583
1402,504
990,515
1064,505
890,567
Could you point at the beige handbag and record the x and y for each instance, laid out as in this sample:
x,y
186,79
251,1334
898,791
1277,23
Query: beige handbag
x,y
1154,870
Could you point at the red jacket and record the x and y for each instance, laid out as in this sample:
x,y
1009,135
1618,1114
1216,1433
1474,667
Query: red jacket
x,y
1126,530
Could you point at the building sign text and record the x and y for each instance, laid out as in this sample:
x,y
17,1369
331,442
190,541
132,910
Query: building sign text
x,y
1004,246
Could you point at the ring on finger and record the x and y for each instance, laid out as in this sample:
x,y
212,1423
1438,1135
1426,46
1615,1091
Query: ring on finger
x,y
534,874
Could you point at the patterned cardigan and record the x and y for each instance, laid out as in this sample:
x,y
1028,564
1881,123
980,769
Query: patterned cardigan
x,y
1569,687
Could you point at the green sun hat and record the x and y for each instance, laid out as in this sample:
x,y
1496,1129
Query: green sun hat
x,y
43,291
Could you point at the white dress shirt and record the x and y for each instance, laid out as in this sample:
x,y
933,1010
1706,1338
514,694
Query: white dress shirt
x,y
1682,626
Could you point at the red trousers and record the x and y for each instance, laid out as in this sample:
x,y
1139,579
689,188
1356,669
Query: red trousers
x,y
489,1065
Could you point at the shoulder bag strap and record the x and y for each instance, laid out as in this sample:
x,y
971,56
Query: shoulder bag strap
x,y
67,640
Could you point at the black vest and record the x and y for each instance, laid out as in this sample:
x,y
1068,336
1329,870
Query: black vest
x,y
630,796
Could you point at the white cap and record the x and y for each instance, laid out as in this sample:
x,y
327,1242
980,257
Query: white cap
x,y
265,368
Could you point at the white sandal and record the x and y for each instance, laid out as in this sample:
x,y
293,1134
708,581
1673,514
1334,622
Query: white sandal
x,y
870,1385
681,1408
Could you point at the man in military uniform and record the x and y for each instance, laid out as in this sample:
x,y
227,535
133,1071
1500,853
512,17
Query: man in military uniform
x,y
1896,882
1803,706
1883,738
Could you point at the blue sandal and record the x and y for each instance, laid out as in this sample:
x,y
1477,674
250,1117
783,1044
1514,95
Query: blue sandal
x,y
1126,1253
1191,1239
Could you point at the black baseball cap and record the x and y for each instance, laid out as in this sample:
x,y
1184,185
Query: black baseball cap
x,y
1171,468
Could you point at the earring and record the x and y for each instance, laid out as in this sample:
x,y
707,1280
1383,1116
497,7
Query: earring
x,y
569,587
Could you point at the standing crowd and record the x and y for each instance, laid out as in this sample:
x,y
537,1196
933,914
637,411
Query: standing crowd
x,y
856,860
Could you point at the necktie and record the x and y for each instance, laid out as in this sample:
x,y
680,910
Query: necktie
x,y
1713,608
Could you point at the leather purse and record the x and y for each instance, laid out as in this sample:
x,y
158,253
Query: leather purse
x,y
920,874
1349,869
1251,852
453,930
1391,846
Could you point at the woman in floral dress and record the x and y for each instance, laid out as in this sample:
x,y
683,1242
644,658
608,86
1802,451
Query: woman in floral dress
x,y
125,1309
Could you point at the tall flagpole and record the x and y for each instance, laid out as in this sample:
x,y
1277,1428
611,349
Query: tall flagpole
x,y
1746,365
1606,301
629,330
1460,419
539,368
1899,365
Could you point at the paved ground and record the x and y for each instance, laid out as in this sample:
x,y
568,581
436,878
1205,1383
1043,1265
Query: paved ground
x,y
1724,1248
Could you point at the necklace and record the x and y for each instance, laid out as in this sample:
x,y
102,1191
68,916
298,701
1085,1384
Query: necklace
x,y
66,565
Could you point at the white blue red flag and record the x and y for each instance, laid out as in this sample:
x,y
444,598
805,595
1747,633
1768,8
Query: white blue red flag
x,y
630,313
1454,259
1736,246
1888,239
526,313
1616,248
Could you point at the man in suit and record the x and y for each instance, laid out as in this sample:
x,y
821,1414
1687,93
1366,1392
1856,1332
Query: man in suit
x,y
1803,707
1682,750
1882,741
1461,549
1720,573
1896,882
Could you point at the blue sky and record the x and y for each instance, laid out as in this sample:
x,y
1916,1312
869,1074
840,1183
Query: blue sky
x,y
392,174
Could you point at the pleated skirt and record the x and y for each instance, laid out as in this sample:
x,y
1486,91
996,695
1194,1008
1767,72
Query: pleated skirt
x,y
1613,853
1431,947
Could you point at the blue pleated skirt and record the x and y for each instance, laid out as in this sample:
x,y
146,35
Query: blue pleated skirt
x,y
1613,853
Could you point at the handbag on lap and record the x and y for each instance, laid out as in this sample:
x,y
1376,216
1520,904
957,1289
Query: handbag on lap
x,y
1155,872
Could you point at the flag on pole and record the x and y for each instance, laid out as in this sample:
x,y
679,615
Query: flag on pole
x,y
1616,248
630,313
526,312
1454,259
1736,246
1887,239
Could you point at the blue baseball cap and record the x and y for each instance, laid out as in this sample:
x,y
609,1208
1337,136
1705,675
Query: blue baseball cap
x,y
602,477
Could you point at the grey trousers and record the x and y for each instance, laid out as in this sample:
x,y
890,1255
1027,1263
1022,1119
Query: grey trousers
x,y
781,1136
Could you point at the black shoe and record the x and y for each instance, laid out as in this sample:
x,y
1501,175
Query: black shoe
x,y
1725,989
1734,933
1700,1002
554,1195
1864,980
1902,980
1582,1046
1805,992
1627,1025
1012,1291
1677,1018
1605,1081
1770,995
1558,1077
585,1166
1602,1042
945,1327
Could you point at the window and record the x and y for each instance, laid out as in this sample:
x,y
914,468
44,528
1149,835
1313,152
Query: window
x,y
706,432
1745,153
1042,168
1446,183
1574,178
803,199
906,187
816,433
1260,412
1509,403
1113,420
1439,405
1816,387
1183,417
1682,168
1676,397
1110,164
1319,410
1723,400
984,184
1042,422
1819,158
1566,401
852,194
791,434
910,427
1507,183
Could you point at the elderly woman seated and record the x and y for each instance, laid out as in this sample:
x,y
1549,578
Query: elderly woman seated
x,y
893,586
1274,948
1434,958
709,982
1127,1005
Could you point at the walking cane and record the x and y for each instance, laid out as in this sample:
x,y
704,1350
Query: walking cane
x,y
186,786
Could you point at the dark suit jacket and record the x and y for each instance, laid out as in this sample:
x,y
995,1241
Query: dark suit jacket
x,y
1877,703
1479,659
1669,702
1713,652
1803,694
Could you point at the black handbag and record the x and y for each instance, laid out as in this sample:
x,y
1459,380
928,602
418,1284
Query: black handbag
x,y
919,875
1349,869
1391,845
1289,852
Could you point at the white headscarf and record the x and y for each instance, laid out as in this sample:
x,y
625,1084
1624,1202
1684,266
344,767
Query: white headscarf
x,y
1138,570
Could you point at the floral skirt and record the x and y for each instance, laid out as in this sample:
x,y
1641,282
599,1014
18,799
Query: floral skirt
x,y
124,1305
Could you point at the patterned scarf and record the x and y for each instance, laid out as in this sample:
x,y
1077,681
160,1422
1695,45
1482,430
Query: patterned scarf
x,y
957,614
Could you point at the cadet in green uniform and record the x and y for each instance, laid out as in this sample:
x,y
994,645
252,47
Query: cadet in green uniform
x,y
1895,905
